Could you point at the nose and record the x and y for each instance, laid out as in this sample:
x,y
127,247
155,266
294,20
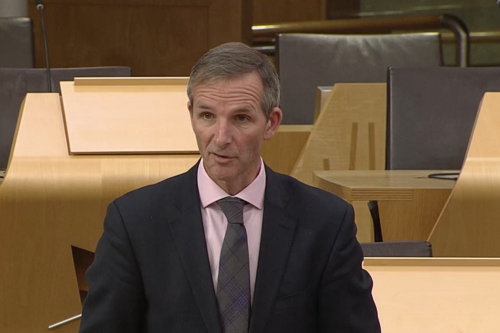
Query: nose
x,y
222,136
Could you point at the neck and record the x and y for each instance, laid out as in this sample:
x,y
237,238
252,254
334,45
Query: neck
x,y
234,187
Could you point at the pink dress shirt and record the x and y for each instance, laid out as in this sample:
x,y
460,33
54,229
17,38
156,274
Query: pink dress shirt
x,y
215,222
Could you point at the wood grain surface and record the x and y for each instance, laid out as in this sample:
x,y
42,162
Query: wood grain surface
x,y
349,134
469,224
136,115
279,11
436,294
283,149
153,37
51,201
409,202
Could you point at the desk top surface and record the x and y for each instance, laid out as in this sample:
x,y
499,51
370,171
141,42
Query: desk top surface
x,y
411,179
372,184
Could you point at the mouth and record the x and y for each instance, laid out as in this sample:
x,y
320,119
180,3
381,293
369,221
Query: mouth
x,y
220,158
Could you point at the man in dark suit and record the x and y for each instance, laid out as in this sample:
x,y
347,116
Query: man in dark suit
x,y
282,258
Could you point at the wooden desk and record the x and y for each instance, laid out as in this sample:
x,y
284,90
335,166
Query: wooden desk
x,y
409,202
445,295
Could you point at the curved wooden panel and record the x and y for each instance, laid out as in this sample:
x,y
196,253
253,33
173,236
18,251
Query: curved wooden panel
x,y
50,202
469,224
349,134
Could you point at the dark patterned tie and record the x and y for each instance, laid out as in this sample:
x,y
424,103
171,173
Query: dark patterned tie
x,y
233,286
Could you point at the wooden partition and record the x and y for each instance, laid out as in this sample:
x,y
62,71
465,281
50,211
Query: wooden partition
x,y
469,223
442,295
53,202
282,151
349,134
322,95
153,37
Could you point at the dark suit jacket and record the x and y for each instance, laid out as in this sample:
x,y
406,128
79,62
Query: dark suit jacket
x,y
151,271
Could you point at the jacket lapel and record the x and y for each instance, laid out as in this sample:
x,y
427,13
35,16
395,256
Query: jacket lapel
x,y
276,240
189,237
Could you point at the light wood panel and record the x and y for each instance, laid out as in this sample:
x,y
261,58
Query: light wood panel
x,y
322,95
281,152
349,134
153,37
409,202
110,116
436,294
51,201
341,137
469,224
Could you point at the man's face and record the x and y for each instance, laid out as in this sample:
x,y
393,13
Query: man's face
x,y
230,126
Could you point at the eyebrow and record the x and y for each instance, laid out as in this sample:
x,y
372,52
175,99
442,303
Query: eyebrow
x,y
203,106
243,109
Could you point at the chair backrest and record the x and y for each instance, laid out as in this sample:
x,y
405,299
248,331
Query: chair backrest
x,y
306,61
397,249
16,43
431,113
15,83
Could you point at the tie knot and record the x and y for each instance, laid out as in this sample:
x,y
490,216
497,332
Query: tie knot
x,y
232,207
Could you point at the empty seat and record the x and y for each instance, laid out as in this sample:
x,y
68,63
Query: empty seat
x,y
306,61
16,43
431,113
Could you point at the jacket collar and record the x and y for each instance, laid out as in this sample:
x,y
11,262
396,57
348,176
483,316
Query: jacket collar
x,y
277,236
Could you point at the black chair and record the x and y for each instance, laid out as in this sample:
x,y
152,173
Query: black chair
x,y
397,249
306,61
16,43
431,112
15,83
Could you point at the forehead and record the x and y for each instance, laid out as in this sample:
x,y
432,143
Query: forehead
x,y
247,87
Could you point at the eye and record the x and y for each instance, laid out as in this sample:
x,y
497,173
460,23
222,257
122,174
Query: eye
x,y
242,118
206,115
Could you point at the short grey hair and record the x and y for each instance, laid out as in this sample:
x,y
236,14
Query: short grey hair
x,y
233,60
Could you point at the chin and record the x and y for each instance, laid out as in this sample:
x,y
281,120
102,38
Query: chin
x,y
222,175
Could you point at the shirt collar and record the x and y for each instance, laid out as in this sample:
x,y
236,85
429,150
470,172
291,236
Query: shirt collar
x,y
210,192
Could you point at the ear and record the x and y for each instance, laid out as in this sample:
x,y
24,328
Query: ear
x,y
273,123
